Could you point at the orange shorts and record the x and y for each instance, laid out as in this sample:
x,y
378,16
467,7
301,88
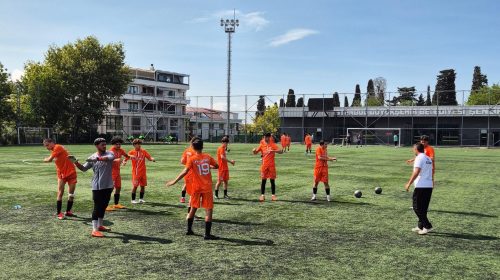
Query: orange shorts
x,y
202,200
308,146
69,179
117,181
223,175
321,174
268,172
139,181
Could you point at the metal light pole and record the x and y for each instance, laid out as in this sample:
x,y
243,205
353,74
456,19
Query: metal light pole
x,y
229,27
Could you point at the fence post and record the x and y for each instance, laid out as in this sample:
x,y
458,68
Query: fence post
x,y
246,113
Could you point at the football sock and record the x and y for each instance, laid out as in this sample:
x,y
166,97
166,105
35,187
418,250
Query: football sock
x,y
315,190
183,193
133,195
225,192
217,193
117,198
273,187
141,195
69,205
208,228
190,224
263,186
327,191
59,206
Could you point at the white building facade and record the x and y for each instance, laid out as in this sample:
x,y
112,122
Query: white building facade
x,y
211,124
153,106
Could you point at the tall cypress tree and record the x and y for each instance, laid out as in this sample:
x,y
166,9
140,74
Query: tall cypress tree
x,y
428,101
346,102
478,80
282,102
445,93
290,98
300,102
336,100
261,106
421,100
370,88
356,101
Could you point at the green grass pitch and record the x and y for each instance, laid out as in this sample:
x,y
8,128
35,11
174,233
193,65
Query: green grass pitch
x,y
349,238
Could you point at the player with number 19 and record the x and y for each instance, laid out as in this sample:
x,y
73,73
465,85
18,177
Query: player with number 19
x,y
201,182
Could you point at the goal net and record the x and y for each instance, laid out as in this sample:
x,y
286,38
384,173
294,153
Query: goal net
x,y
32,135
374,136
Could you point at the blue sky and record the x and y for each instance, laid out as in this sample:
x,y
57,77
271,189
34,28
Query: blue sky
x,y
336,45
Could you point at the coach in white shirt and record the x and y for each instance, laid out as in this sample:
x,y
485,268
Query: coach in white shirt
x,y
422,176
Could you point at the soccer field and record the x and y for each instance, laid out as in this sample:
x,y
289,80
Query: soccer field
x,y
348,238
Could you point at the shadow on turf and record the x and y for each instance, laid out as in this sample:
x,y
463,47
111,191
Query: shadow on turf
x,y
148,212
465,236
236,223
253,242
155,204
318,202
475,214
127,237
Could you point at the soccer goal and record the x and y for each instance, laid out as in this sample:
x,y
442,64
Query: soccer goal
x,y
375,136
32,135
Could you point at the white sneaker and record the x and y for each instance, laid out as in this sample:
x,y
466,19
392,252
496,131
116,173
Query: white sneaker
x,y
313,198
423,231
142,201
134,201
328,198
416,229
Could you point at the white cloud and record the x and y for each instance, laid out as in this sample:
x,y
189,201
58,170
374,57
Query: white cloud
x,y
16,75
253,20
292,35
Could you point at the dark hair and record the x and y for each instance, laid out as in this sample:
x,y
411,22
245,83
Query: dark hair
x,y
116,140
48,140
99,140
194,138
197,144
267,135
322,142
225,139
419,147
136,141
424,138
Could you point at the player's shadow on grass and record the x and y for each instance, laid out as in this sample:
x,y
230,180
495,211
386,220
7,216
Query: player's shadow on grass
x,y
475,214
159,204
465,236
88,221
319,202
226,203
236,223
127,237
252,242
149,212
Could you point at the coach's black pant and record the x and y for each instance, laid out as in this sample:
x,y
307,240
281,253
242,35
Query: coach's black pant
x,y
101,201
421,200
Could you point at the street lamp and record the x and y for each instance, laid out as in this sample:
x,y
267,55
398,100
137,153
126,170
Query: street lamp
x,y
229,27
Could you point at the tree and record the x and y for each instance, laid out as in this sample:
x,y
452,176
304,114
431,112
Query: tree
x,y
371,98
261,106
336,99
421,100
300,102
73,86
282,103
268,122
370,88
6,113
290,98
478,80
485,96
445,88
406,97
346,101
356,101
380,84
428,101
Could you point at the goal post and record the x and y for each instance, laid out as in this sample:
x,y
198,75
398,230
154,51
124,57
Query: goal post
x,y
32,135
375,136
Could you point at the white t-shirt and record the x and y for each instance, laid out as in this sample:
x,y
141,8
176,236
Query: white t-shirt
x,y
424,179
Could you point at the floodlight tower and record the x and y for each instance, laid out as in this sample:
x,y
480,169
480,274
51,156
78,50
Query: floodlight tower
x,y
229,27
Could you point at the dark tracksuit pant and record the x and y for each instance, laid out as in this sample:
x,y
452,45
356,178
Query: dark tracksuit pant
x,y
421,200
101,200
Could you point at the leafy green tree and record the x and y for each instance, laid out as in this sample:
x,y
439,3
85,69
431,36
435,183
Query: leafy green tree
x,y
406,97
356,101
380,84
421,100
445,93
485,96
478,79
6,113
73,86
261,106
290,98
268,122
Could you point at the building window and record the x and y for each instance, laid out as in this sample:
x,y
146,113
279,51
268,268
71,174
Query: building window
x,y
171,93
132,90
165,78
133,106
221,126
136,123
148,90
114,122
211,126
150,107
116,104
174,124
199,125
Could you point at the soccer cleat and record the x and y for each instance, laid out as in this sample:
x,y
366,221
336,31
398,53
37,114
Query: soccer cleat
x,y
183,200
416,229
96,233
134,201
110,208
210,237
423,231
119,206
216,196
226,196
142,201
69,214
328,198
274,198
60,216
313,198
190,232
262,198
103,228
